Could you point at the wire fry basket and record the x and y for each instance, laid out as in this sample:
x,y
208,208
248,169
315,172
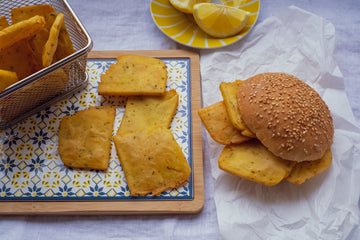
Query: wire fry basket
x,y
52,83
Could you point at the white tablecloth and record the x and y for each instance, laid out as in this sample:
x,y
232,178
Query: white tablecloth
x,y
127,25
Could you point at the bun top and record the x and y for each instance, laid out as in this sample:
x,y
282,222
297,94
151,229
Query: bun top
x,y
287,116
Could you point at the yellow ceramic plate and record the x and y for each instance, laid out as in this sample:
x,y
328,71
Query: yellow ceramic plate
x,y
182,28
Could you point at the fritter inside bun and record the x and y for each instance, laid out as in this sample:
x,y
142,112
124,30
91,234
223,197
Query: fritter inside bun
x,y
287,116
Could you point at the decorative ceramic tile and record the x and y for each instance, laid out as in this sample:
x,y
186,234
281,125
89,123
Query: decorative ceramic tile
x,y
30,165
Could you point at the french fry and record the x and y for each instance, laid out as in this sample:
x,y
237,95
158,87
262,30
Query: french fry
x,y
21,30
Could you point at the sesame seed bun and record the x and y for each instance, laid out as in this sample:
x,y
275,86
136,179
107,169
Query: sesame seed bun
x,y
287,116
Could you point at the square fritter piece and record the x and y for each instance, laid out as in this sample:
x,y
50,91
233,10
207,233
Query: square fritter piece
x,y
145,111
152,161
85,138
134,75
216,121
229,93
251,160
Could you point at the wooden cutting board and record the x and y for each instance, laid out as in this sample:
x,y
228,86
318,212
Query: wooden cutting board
x,y
134,206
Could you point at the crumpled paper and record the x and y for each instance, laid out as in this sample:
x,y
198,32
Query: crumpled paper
x,y
326,206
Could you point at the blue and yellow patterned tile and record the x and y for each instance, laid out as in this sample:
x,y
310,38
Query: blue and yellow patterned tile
x,y
31,168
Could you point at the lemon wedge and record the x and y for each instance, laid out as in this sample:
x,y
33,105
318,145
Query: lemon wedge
x,y
218,20
186,6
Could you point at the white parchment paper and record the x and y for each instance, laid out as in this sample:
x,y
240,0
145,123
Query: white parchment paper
x,y
326,206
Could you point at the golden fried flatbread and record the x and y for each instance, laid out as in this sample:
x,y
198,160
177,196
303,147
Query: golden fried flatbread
x,y
3,22
217,122
145,111
19,31
64,47
18,58
251,160
23,13
7,78
134,75
52,43
229,93
85,138
303,171
152,161
37,42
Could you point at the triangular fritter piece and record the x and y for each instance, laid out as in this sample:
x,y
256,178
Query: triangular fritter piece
x,y
146,111
217,122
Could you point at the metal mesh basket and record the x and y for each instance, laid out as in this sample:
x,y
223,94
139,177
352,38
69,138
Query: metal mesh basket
x,y
50,84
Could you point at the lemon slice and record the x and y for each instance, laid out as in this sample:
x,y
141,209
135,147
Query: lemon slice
x,y
186,6
219,21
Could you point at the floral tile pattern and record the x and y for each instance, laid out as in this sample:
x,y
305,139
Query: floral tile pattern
x,y
30,165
